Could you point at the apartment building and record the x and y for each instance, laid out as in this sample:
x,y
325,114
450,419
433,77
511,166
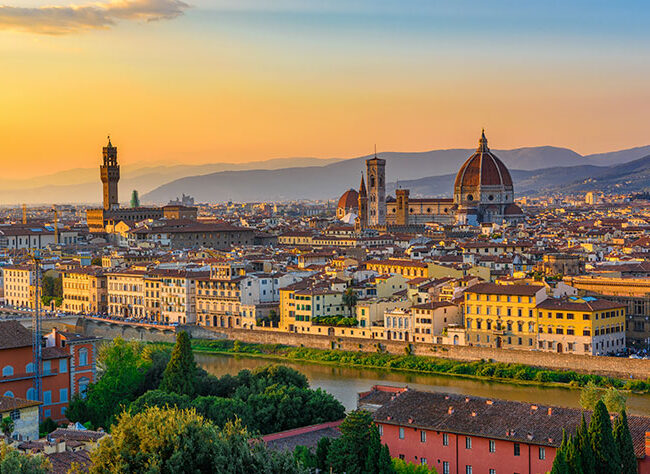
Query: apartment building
x,y
581,326
84,290
19,286
126,290
430,320
503,316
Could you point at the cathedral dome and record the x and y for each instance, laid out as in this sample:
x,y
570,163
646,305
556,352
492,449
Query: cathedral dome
x,y
349,200
483,168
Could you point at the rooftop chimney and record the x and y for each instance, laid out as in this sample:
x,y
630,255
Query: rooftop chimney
x,y
550,411
450,410
489,402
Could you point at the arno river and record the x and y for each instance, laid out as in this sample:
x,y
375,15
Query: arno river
x,y
344,383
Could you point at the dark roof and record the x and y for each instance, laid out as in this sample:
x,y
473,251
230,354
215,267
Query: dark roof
x,y
12,403
495,419
308,436
73,337
579,305
54,353
514,290
62,462
76,435
13,334
433,305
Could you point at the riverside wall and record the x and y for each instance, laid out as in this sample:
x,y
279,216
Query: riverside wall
x,y
613,366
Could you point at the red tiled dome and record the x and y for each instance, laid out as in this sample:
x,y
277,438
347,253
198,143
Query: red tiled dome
x,y
512,210
483,168
349,200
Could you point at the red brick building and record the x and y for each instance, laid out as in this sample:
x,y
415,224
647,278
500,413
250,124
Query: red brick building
x,y
472,435
68,366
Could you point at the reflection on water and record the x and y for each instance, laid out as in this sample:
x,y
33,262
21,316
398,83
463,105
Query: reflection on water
x,y
345,382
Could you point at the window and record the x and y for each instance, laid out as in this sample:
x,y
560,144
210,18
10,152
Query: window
x,y
445,439
83,357
517,449
542,453
468,469
423,461
47,367
83,386
445,467
63,395
9,393
468,442
30,368
423,436
493,471
47,397
493,446
15,415
31,394
401,432
7,371
381,430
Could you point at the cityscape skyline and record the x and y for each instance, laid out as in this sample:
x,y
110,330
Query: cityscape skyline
x,y
241,81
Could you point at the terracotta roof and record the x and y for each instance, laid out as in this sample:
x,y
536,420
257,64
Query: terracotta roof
x,y
433,305
77,435
568,304
494,419
483,168
349,200
13,334
54,353
12,403
308,436
62,462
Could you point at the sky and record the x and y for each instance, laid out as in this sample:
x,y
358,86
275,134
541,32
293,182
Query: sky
x,y
199,81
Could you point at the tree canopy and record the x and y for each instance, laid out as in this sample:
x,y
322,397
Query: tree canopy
x,y
180,374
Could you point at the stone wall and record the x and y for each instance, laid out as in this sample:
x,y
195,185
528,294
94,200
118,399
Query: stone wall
x,y
614,366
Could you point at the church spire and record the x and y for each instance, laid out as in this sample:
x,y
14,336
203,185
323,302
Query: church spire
x,y
482,142
362,187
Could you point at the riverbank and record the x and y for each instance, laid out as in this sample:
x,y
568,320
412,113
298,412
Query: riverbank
x,y
481,370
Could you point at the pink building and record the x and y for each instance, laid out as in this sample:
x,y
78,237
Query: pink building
x,y
457,434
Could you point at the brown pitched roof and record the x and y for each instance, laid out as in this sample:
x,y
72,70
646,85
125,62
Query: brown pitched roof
x,y
62,462
12,403
13,334
492,418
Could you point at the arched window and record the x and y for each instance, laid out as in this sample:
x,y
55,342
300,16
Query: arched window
x,y
9,393
31,394
7,371
30,368
83,357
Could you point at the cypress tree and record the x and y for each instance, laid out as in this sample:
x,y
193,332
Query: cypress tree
x,y
180,374
583,443
625,445
573,456
560,465
602,441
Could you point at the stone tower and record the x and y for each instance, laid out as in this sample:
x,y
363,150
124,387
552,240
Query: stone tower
x,y
110,173
376,173
402,207
363,204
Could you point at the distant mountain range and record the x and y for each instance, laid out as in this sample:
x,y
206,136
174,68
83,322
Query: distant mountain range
x,y
431,173
426,174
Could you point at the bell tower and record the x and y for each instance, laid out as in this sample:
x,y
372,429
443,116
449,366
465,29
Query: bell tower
x,y
376,174
110,174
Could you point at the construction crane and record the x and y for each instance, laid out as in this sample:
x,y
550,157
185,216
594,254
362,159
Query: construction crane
x,y
37,348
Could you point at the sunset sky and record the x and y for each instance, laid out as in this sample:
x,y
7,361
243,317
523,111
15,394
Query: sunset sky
x,y
199,81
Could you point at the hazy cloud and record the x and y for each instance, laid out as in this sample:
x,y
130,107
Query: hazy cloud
x,y
58,20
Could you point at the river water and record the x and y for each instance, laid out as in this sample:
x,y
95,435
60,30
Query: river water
x,y
345,382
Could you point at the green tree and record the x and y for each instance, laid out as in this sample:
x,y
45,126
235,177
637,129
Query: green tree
x,y
7,426
135,198
13,461
181,441
402,467
614,400
624,444
159,398
47,426
180,374
122,367
602,441
350,299
583,442
358,441
589,396
322,450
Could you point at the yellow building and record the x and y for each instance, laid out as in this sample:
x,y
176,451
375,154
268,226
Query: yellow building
x,y
84,290
502,316
407,268
430,320
581,326
218,300
19,289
